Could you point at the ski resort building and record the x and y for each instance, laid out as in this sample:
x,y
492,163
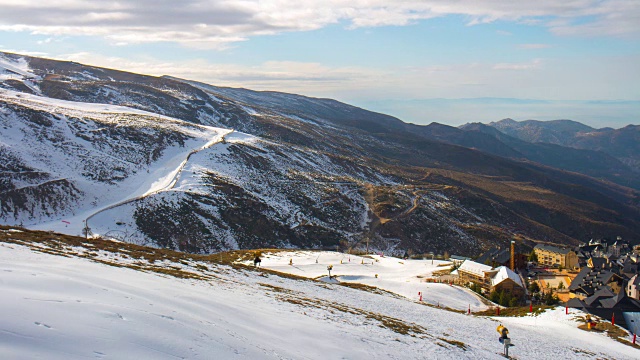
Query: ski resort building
x,y
633,287
491,279
554,256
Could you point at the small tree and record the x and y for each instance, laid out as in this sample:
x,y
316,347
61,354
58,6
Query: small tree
x,y
503,298
550,298
534,287
513,302
475,288
533,257
494,297
560,285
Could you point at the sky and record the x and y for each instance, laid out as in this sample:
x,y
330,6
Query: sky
x,y
450,61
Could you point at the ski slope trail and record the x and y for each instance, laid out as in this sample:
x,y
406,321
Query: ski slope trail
x,y
165,182
72,307
75,120
402,277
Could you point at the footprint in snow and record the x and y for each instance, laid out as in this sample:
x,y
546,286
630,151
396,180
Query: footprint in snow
x,y
98,354
42,324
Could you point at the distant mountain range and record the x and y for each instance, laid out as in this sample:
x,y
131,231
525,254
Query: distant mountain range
x,y
185,165
611,113
623,144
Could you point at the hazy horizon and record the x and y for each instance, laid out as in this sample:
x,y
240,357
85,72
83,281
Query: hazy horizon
x,y
370,53
455,112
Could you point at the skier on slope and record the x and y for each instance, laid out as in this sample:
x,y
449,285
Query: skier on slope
x,y
257,261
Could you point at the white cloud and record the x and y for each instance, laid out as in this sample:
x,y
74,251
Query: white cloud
x,y
537,78
216,24
299,77
23,52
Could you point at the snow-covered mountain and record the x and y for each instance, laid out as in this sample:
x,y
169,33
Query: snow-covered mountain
x,y
180,164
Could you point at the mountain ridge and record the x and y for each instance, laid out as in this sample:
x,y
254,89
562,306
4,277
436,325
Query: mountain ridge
x,y
621,143
297,172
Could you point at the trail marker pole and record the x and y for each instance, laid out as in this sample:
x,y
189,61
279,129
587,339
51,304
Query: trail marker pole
x,y
530,307
613,319
469,311
566,310
634,339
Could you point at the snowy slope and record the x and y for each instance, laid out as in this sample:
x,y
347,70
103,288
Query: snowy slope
x,y
66,308
14,69
403,277
113,142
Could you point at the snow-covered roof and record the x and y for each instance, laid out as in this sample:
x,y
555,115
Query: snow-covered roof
x,y
503,274
497,275
474,267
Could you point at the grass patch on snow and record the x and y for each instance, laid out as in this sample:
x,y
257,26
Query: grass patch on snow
x,y
518,311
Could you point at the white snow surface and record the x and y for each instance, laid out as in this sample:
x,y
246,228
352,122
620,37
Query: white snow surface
x,y
403,277
76,108
12,69
56,307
